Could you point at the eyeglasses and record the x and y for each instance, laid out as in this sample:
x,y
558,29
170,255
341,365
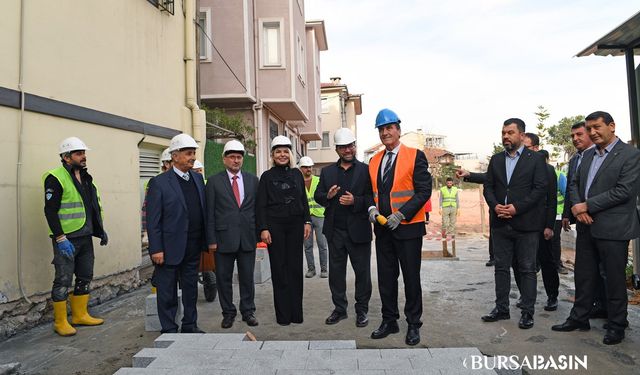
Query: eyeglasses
x,y
346,147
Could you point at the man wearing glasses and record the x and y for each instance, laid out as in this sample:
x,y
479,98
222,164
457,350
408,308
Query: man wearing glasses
x,y
345,191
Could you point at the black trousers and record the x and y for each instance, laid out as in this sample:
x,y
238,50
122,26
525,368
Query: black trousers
x,y
285,259
507,243
491,255
246,261
556,244
549,265
393,254
340,248
166,278
613,255
80,265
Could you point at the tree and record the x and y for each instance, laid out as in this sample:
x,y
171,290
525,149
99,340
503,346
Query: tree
x,y
236,125
542,114
560,134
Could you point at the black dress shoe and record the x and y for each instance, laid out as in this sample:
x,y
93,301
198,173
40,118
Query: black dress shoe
x,y
193,329
526,321
552,304
571,325
413,336
495,315
227,321
362,320
490,263
250,319
335,317
385,329
613,336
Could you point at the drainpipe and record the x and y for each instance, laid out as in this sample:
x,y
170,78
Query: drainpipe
x,y
20,151
257,108
198,119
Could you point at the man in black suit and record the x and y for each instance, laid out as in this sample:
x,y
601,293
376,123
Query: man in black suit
x,y
176,223
401,185
515,188
231,231
582,143
603,196
345,190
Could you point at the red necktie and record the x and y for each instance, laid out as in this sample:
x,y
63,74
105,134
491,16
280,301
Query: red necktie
x,y
236,190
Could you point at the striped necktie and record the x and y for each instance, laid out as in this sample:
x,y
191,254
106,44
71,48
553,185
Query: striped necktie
x,y
387,168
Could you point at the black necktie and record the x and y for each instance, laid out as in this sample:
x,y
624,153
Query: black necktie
x,y
387,168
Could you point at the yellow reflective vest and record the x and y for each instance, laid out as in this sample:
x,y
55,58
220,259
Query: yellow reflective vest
x,y
314,208
71,214
449,196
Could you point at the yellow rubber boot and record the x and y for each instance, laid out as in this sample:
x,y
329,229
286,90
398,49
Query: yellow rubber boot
x,y
79,313
60,323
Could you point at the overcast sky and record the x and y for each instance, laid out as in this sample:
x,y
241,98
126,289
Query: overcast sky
x,y
460,68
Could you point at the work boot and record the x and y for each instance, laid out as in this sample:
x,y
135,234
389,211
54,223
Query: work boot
x,y
310,273
79,313
60,323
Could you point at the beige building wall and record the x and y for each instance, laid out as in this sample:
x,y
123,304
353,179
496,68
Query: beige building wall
x,y
122,62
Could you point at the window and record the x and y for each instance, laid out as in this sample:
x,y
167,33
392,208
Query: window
x,y
273,129
325,105
271,44
164,5
301,60
204,33
325,140
313,145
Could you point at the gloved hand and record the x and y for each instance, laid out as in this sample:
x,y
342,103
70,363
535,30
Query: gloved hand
x,y
66,248
373,213
394,220
104,239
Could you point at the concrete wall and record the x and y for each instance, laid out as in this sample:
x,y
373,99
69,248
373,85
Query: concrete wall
x,y
126,59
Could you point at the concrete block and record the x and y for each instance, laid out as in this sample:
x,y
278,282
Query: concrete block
x,y
151,321
332,344
286,345
262,270
358,372
144,357
406,353
305,372
254,354
317,354
433,371
241,345
292,363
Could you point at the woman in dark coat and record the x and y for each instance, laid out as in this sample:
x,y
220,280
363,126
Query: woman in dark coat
x,y
284,222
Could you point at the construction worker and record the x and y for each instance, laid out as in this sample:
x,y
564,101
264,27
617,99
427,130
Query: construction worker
x,y
401,185
449,209
198,167
74,213
317,221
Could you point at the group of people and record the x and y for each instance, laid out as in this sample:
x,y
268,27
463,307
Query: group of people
x,y
229,213
530,203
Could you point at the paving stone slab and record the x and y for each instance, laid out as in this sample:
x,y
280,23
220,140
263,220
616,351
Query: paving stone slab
x,y
332,344
405,353
286,345
358,372
142,371
423,371
294,353
264,354
384,364
239,345
281,364
358,354
332,364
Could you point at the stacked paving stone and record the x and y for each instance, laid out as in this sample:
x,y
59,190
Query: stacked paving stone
x,y
231,353
151,319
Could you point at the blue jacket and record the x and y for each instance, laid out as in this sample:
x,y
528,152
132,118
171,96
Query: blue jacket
x,y
167,216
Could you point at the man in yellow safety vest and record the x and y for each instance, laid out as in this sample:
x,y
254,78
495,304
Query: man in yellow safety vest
x,y
74,214
449,208
317,221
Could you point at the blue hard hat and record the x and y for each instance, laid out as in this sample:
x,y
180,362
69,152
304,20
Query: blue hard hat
x,y
386,117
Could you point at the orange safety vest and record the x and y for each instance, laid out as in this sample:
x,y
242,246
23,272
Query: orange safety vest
x,y
402,188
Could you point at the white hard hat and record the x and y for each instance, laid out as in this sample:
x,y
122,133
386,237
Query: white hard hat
x,y
166,155
306,161
197,164
72,144
280,140
343,136
233,145
181,141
